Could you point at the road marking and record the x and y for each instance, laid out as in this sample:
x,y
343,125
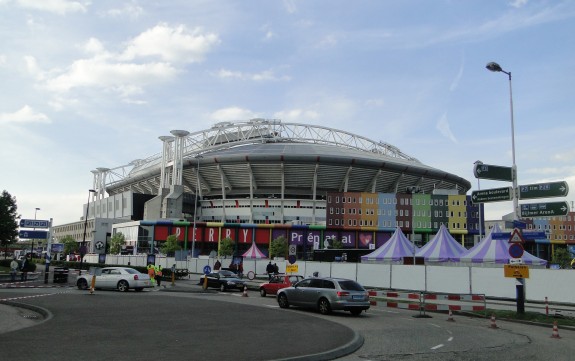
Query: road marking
x,y
433,324
450,339
438,346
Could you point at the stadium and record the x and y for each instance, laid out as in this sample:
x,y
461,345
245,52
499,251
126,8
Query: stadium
x,y
260,174
267,171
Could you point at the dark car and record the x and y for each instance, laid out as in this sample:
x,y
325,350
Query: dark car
x,y
224,280
277,282
325,295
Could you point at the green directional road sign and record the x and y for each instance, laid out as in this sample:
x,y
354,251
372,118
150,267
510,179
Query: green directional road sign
x,y
493,172
492,195
549,209
543,190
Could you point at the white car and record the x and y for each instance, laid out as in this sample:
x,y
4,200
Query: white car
x,y
120,278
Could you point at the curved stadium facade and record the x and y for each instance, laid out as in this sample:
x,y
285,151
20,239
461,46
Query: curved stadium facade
x,y
268,171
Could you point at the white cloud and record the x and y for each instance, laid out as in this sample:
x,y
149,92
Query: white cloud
x,y
33,68
266,75
518,3
297,115
290,6
60,7
3,60
172,44
233,113
101,74
445,129
25,115
131,10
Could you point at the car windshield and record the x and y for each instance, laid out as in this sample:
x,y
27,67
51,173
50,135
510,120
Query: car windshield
x,y
227,274
131,271
349,285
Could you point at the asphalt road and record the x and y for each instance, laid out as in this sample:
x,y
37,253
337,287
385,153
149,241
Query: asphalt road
x,y
185,323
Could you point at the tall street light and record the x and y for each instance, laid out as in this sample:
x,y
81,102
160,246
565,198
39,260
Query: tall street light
x,y
497,68
198,157
480,204
83,246
32,248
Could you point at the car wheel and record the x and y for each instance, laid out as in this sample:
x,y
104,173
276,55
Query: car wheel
x,y
355,312
222,287
139,289
82,284
324,306
283,301
263,292
123,286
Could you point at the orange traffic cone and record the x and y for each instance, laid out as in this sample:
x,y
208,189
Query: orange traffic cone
x,y
555,333
245,291
493,324
450,317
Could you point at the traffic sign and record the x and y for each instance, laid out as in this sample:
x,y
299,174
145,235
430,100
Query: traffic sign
x,y
516,250
543,190
549,209
492,195
207,269
516,237
292,268
493,172
34,223
33,234
516,271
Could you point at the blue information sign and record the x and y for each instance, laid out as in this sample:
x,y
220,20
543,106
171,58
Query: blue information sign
x,y
207,269
34,223
33,234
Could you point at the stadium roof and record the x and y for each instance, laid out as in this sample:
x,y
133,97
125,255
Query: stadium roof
x,y
273,158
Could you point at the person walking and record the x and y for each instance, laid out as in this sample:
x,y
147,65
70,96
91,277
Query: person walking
x,y
13,269
24,268
151,273
270,270
158,277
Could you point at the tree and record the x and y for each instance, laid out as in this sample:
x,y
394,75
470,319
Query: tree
x,y
8,220
562,257
336,244
226,247
116,243
70,244
279,247
171,245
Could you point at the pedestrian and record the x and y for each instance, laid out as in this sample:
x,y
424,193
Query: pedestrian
x,y
151,273
13,269
241,269
276,269
270,270
24,268
158,277
217,265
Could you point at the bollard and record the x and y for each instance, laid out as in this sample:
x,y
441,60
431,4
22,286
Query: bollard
x,y
245,294
493,324
205,282
173,278
450,317
555,333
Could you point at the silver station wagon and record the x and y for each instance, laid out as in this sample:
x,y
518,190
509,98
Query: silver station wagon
x,y
325,295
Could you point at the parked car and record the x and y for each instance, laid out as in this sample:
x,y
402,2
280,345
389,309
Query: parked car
x,y
277,282
224,280
120,278
325,295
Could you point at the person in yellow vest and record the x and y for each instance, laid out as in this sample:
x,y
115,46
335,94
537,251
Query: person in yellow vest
x,y
158,275
151,273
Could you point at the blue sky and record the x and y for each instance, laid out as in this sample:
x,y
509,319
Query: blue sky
x,y
89,84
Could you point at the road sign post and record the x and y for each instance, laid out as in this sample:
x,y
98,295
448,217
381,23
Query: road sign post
x,y
548,209
27,234
34,223
492,195
493,172
543,190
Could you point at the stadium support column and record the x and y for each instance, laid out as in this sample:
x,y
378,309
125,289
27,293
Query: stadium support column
x,y
172,204
314,192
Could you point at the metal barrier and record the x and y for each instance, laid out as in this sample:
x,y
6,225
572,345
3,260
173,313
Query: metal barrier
x,y
427,301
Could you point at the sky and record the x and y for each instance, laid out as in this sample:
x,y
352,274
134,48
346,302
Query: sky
x,y
88,84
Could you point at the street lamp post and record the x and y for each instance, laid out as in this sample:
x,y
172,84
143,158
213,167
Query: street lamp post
x,y
196,204
83,246
520,286
497,68
32,247
480,205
